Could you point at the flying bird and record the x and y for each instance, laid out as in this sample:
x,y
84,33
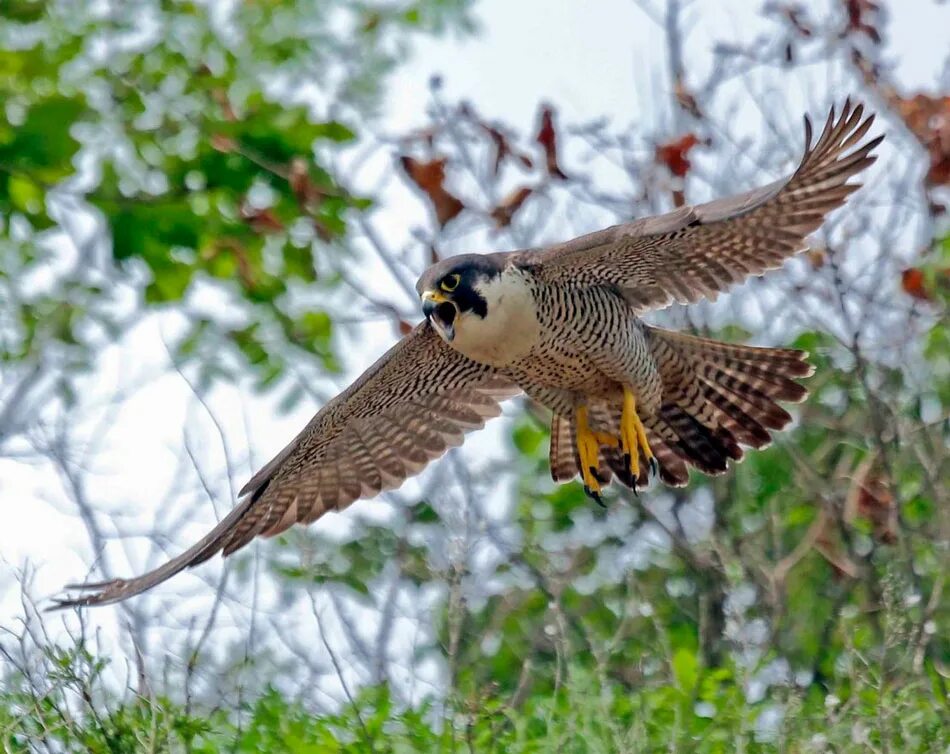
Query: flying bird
x,y
562,325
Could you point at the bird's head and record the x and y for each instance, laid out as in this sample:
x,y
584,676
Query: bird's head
x,y
453,291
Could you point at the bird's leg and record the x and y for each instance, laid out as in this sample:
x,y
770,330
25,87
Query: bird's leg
x,y
633,437
588,451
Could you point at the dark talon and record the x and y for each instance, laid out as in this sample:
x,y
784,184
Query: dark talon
x,y
595,496
598,476
654,466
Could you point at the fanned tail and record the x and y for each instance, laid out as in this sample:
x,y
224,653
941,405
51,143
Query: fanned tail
x,y
718,397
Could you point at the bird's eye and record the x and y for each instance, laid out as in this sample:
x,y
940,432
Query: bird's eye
x,y
450,282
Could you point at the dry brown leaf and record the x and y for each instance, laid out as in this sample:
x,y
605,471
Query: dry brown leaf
x,y
817,258
262,221
503,149
862,19
794,15
929,119
673,154
914,284
871,498
505,212
430,177
547,138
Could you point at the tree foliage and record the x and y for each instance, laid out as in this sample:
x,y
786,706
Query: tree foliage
x,y
184,136
796,604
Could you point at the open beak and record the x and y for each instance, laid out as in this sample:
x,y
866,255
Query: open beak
x,y
441,311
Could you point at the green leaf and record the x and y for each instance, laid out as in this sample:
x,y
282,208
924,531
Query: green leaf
x,y
334,131
298,262
423,513
42,146
151,230
23,11
169,283
686,669
528,437
25,194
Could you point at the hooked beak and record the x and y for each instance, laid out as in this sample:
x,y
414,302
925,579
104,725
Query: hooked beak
x,y
441,312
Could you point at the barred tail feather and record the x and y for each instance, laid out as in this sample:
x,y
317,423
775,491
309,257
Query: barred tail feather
x,y
718,396
563,456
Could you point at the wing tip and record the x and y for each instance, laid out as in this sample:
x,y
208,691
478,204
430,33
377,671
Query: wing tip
x,y
840,130
100,593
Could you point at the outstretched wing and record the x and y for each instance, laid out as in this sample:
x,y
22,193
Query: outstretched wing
x,y
700,250
406,410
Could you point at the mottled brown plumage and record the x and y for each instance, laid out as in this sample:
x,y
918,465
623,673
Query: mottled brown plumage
x,y
408,408
561,324
698,251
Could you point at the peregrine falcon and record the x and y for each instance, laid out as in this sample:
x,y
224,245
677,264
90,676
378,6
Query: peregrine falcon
x,y
562,325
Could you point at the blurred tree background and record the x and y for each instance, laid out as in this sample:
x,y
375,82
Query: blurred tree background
x,y
208,182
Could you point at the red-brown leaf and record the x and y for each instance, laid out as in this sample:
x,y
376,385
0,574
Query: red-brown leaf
x,y
262,221
505,212
503,149
308,194
914,284
859,18
794,14
929,119
817,257
430,177
547,138
673,154
870,498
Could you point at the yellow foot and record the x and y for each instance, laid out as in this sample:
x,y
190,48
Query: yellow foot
x,y
633,437
588,451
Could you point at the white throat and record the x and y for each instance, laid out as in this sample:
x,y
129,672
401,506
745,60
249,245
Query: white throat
x,y
510,328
